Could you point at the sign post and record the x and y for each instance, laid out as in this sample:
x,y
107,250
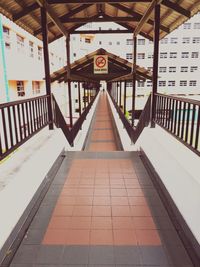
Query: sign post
x,y
101,64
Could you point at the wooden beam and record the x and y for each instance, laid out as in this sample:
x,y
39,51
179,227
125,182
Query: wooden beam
x,y
139,16
107,19
25,11
46,65
134,78
65,17
179,9
155,63
102,32
146,16
53,16
95,2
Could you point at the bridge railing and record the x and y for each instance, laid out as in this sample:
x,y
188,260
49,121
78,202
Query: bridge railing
x,y
19,121
181,118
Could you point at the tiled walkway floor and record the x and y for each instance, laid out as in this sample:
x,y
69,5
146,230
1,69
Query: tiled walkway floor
x,y
101,210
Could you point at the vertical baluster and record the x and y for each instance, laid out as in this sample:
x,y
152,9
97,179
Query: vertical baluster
x,y
166,112
183,120
175,117
34,116
179,118
37,114
187,123
169,113
172,118
163,110
192,124
19,120
15,123
31,117
42,110
10,126
158,108
197,130
27,118
4,128
24,121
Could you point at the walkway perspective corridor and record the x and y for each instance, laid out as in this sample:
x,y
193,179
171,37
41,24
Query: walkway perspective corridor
x,y
101,210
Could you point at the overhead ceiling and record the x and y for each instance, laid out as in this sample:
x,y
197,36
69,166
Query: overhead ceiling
x,y
118,69
66,16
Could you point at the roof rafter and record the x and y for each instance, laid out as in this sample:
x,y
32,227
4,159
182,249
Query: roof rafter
x,y
146,16
94,2
103,19
177,8
65,17
139,16
25,11
53,16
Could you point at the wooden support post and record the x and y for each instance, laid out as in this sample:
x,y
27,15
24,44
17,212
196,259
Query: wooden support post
x,y
155,63
79,97
134,79
46,65
117,92
124,97
69,80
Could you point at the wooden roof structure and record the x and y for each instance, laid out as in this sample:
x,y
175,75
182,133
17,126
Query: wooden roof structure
x,y
118,69
66,16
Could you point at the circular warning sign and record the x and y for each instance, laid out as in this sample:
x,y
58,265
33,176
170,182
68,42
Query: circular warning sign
x,y
100,62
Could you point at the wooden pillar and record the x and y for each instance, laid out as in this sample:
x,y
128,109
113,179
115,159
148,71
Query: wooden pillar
x,y
69,80
46,64
134,78
124,97
79,97
84,96
155,63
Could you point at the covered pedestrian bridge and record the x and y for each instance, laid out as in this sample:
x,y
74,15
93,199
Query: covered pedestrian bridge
x,y
105,190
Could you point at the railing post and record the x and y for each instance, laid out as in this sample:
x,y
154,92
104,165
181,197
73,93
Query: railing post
x,y
155,63
46,65
69,80
134,78
120,94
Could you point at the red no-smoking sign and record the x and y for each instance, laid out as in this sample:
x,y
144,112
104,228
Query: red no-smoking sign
x,y
101,64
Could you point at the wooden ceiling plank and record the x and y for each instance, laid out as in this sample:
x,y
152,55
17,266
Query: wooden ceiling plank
x,y
53,16
139,16
94,2
146,16
25,11
179,9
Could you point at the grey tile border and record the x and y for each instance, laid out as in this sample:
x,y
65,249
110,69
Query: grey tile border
x,y
101,255
127,255
76,255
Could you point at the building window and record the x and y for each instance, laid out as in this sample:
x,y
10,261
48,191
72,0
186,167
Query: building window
x,y
129,84
100,42
163,55
129,56
183,83
39,53
171,83
74,54
193,68
197,25
196,40
52,58
141,55
174,40
185,54
129,41
173,55
172,69
141,41
195,54
118,43
162,69
6,36
187,26
20,43
184,69
150,55
140,83
31,52
193,83
149,83
162,83
186,40
36,87
87,40
164,41
20,88
110,43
